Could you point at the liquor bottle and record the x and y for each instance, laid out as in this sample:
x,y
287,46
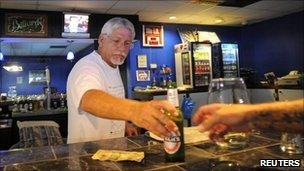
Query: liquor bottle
x,y
174,144
30,105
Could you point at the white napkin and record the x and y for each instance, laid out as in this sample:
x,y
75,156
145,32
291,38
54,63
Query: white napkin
x,y
191,134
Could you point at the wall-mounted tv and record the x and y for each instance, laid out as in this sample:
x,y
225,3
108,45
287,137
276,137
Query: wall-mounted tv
x,y
76,25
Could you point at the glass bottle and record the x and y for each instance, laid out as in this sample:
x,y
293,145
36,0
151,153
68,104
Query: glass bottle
x,y
174,144
12,92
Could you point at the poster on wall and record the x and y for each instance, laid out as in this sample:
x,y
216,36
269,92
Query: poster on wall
x,y
142,61
143,75
153,35
26,25
37,77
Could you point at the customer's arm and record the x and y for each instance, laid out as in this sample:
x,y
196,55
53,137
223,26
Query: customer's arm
x,y
275,116
279,116
148,115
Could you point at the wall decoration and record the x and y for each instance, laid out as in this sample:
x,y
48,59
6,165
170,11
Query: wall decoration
x,y
37,77
19,80
142,61
153,35
26,25
143,75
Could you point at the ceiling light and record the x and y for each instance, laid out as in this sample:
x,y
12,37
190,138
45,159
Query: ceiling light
x,y
70,55
172,18
218,20
1,56
244,22
211,2
13,67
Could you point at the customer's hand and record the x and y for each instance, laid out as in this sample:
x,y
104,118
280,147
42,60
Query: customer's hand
x,y
150,115
130,129
220,118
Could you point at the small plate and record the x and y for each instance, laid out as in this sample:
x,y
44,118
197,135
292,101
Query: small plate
x,y
233,141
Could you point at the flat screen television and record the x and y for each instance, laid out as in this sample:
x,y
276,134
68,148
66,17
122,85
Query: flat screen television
x,y
76,23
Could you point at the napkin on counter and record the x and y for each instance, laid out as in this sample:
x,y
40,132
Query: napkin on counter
x,y
117,155
191,134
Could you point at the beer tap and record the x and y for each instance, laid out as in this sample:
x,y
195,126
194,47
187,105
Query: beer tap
x,y
48,90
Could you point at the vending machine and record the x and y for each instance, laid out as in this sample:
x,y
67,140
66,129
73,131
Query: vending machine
x,y
225,60
193,64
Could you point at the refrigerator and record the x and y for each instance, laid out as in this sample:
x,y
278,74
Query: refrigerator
x,y
193,64
225,60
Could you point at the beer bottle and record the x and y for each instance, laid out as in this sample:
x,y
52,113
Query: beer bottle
x,y
174,144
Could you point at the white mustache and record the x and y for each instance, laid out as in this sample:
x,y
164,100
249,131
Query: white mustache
x,y
120,53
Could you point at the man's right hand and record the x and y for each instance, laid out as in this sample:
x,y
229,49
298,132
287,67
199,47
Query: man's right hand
x,y
150,115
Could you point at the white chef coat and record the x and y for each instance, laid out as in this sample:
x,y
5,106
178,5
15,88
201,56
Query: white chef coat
x,y
92,72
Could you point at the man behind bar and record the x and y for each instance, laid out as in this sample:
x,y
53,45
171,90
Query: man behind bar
x,y
95,92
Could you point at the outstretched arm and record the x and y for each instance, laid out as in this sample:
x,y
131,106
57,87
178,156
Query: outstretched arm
x,y
275,116
278,116
147,115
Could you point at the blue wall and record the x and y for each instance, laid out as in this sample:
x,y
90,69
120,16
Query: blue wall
x,y
165,55
59,68
274,45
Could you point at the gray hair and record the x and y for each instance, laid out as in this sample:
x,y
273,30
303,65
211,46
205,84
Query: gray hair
x,y
116,23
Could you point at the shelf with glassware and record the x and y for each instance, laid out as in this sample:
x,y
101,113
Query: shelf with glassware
x,y
35,104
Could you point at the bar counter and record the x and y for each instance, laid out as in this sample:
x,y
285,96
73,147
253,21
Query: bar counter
x,y
149,94
199,156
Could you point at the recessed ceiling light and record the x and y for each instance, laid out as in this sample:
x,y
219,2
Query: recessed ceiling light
x,y
1,56
70,56
244,22
218,20
13,67
172,18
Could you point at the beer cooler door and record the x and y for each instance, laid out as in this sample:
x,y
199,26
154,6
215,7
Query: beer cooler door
x,y
187,69
201,62
230,54
183,66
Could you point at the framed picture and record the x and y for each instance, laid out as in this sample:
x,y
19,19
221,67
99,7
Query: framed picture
x,y
37,77
153,35
26,25
142,61
143,75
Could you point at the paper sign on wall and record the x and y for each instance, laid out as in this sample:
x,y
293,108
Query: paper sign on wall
x,y
143,75
142,61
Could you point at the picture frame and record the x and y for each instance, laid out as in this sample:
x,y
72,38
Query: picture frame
x,y
37,77
142,61
143,75
153,35
33,25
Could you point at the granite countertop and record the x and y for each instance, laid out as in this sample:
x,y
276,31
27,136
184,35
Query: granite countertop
x,y
199,156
